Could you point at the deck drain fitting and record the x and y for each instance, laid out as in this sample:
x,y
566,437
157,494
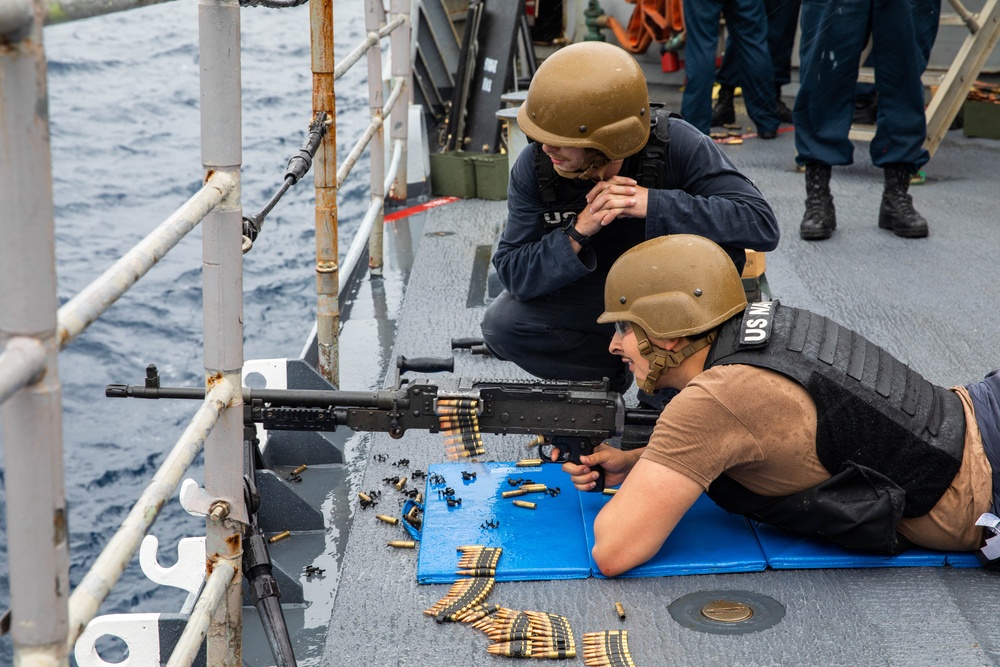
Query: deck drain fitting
x,y
726,612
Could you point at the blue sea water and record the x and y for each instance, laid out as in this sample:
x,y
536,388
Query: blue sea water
x,y
125,125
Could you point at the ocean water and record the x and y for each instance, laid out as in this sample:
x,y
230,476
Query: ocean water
x,y
125,125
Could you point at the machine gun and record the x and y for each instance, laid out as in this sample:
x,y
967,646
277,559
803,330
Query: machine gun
x,y
573,416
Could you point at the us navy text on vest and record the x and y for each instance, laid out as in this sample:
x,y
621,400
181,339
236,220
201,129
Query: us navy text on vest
x,y
755,330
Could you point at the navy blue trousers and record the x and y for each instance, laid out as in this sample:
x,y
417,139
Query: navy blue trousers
x,y
747,23
555,337
782,21
985,396
834,33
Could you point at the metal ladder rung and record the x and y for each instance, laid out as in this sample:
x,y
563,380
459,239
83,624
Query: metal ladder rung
x,y
861,132
954,20
928,78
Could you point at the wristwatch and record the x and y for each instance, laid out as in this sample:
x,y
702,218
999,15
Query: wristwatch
x,y
570,231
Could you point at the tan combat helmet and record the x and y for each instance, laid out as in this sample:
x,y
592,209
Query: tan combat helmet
x,y
671,287
588,95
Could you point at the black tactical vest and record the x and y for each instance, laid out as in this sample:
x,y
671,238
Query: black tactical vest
x,y
563,198
882,430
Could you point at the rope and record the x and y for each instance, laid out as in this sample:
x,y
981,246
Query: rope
x,y
298,165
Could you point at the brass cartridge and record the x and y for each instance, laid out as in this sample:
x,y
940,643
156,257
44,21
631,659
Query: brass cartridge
x,y
402,544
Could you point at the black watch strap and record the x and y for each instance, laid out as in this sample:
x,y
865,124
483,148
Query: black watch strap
x,y
571,232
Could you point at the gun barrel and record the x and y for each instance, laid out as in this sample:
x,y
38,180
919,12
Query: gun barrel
x,y
284,397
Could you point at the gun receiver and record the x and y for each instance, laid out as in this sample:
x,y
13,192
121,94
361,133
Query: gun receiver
x,y
573,416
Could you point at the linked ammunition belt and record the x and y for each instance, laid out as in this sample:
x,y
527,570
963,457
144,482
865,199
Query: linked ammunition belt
x,y
528,634
462,597
607,648
521,634
460,425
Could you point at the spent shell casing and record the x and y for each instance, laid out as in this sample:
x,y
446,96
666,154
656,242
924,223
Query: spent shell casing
x,y
610,492
528,463
280,536
401,483
364,497
301,468
387,519
402,544
525,504
513,494
620,611
532,488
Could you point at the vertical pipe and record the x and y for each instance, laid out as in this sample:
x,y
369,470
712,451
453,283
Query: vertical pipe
x,y
31,419
399,116
325,175
374,20
222,278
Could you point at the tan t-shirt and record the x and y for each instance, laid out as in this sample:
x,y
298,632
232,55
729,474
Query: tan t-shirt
x,y
760,428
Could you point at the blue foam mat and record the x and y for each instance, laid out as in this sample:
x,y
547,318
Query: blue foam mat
x,y
554,540
544,543
788,551
708,540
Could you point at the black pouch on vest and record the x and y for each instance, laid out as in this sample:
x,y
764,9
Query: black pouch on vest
x,y
858,507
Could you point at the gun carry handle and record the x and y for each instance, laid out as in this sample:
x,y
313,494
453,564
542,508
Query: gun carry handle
x,y
425,364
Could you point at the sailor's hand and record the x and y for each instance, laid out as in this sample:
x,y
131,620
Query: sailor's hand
x,y
617,197
615,462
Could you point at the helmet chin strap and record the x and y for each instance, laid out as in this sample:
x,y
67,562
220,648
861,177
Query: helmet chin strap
x,y
594,170
660,359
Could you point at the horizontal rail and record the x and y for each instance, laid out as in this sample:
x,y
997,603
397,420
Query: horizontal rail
x,y
22,362
194,633
65,11
93,300
108,567
16,19
361,49
373,127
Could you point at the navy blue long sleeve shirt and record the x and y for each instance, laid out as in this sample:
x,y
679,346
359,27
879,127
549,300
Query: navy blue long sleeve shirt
x,y
705,194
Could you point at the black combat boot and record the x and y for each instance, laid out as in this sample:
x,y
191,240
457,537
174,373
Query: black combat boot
x,y
897,212
820,219
784,113
723,113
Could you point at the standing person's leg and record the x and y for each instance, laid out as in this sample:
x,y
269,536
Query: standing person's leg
x,y
701,25
901,126
832,41
782,21
825,103
723,111
747,22
926,20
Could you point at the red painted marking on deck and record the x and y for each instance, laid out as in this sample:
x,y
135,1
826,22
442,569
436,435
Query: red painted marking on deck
x,y
419,208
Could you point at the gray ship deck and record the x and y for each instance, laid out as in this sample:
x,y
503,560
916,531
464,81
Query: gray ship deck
x,y
932,302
